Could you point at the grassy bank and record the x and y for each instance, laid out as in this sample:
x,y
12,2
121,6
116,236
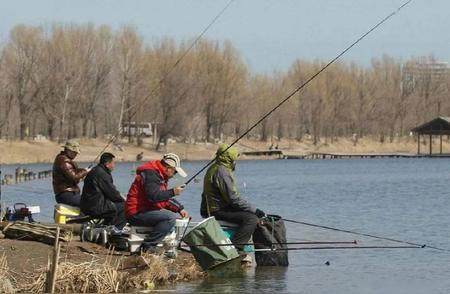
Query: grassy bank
x,y
21,152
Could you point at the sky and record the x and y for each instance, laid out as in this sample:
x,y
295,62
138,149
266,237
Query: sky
x,y
269,34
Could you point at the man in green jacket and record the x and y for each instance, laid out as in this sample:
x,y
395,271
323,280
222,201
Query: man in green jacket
x,y
221,199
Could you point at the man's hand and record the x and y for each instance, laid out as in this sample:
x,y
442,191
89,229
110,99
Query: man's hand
x,y
178,189
88,169
184,213
259,213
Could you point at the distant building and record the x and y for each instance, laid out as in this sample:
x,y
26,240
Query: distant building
x,y
133,129
423,71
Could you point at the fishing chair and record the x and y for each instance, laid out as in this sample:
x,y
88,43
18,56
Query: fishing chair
x,y
229,229
67,214
138,235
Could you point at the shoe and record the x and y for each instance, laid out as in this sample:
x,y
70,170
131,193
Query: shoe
x,y
171,253
114,231
247,258
126,230
152,249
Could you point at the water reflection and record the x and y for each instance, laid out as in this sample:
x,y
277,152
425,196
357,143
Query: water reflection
x,y
253,280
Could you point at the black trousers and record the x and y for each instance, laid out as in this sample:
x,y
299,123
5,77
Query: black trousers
x,y
69,198
247,222
117,217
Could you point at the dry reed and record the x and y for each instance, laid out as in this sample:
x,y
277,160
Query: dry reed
x,y
6,279
106,276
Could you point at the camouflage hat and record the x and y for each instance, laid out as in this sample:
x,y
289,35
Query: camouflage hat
x,y
72,145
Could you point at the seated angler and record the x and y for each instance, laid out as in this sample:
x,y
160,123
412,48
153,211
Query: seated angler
x,y
150,202
100,197
221,199
66,175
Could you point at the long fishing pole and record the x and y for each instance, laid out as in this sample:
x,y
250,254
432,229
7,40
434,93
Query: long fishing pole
x,y
276,243
366,235
337,248
177,62
303,85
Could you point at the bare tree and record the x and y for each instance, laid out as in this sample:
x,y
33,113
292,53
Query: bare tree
x,y
21,56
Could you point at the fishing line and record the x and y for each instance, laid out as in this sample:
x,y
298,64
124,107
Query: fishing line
x,y
366,235
303,85
177,62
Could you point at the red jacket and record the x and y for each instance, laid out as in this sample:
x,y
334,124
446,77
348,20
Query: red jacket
x,y
149,191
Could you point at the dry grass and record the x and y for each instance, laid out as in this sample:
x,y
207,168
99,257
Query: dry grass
x,y
6,279
107,276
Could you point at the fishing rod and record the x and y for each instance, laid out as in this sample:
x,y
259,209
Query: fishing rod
x,y
366,235
276,243
177,62
303,85
336,248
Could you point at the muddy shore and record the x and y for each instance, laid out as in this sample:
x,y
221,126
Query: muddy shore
x,y
27,263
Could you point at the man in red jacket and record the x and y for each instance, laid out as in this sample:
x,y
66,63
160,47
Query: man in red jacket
x,y
150,202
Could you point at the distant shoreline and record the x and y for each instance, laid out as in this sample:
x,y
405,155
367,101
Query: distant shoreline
x,y
28,152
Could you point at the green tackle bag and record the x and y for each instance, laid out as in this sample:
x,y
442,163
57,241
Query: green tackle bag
x,y
209,232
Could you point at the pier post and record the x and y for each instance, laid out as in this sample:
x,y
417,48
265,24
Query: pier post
x,y
431,147
418,144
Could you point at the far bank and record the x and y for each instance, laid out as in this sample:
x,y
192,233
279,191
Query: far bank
x,y
44,151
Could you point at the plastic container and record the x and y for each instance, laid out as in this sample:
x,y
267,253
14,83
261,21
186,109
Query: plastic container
x,y
230,231
180,227
64,212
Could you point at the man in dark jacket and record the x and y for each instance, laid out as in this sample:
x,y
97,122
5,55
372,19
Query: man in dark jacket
x,y
150,202
221,199
100,197
67,175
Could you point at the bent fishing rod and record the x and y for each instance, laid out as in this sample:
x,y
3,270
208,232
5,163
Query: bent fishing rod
x,y
296,90
171,69
366,235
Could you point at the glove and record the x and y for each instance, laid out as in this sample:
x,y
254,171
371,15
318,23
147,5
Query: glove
x,y
259,213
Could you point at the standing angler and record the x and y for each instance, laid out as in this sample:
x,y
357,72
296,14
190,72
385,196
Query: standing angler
x,y
221,199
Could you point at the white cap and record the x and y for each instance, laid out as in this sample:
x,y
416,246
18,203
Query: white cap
x,y
171,159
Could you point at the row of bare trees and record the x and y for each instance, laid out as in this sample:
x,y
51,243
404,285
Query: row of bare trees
x,y
85,81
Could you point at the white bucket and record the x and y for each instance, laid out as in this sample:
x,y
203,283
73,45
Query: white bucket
x,y
180,227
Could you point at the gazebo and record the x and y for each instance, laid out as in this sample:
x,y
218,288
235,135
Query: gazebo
x,y
436,127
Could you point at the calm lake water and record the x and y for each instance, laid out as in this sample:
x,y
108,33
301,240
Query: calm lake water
x,y
405,199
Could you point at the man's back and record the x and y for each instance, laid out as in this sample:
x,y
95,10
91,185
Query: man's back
x,y
65,176
99,192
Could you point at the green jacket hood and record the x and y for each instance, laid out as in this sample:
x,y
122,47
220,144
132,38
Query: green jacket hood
x,y
228,157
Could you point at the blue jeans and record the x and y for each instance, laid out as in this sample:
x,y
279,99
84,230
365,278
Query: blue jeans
x,y
162,221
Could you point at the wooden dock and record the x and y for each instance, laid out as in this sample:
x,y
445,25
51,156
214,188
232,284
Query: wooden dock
x,y
336,155
269,152
322,155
